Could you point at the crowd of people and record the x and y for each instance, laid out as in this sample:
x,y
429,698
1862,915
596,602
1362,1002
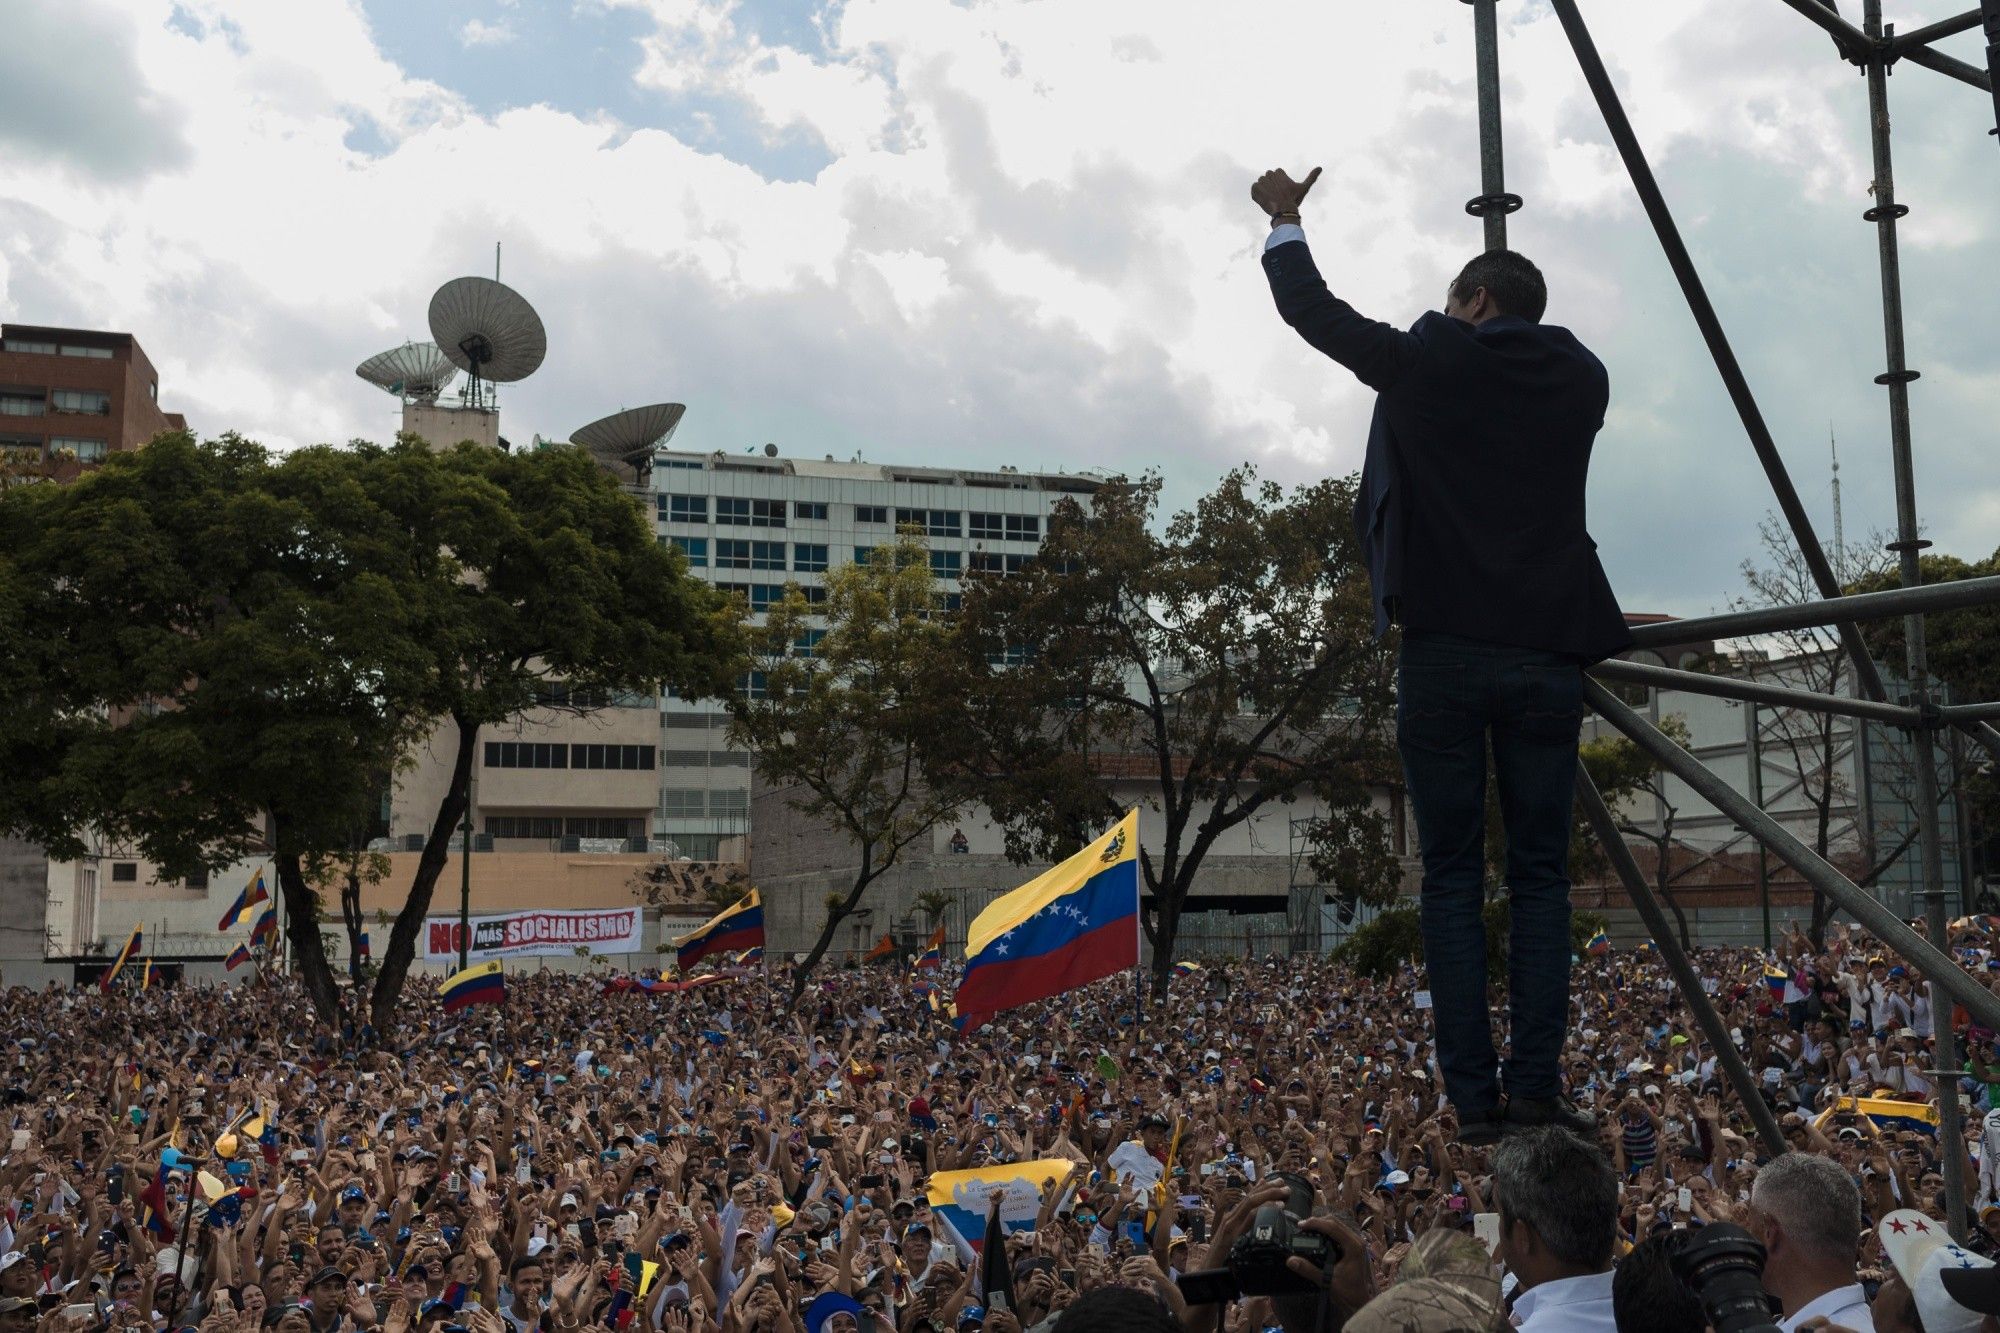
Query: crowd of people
x,y
576,1160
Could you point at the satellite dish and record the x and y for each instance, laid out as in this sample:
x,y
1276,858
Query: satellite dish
x,y
413,371
626,440
489,331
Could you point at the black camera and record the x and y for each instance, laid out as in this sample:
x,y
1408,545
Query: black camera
x,y
1724,1266
1257,1264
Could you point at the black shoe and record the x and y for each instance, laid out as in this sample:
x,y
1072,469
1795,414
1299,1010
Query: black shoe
x,y
1481,1130
1527,1113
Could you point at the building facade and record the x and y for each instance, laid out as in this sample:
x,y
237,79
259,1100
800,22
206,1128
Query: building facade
x,y
752,523
77,394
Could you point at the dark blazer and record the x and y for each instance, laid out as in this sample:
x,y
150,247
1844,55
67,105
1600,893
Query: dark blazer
x,y
1470,510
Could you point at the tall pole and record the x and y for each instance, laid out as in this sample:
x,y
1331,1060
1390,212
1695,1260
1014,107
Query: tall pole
x,y
1908,543
1754,755
1493,203
465,881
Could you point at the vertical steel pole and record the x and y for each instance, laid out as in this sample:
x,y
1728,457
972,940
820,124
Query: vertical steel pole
x,y
1908,543
1753,754
1493,203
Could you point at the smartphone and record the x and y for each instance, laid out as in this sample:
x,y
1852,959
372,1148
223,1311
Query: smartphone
x,y
114,1185
574,1232
367,1160
819,1141
1684,1200
521,1168
84,1311
20,1140
301,1154
1486,1230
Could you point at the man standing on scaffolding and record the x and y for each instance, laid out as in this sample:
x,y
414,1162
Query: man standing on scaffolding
x,y
1471,519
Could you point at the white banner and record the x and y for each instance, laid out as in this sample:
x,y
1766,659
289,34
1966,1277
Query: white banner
x,y
529,934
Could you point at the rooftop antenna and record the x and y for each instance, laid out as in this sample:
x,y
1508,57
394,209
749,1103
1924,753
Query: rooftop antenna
x,y
624,442
415,372
490,332
1839,534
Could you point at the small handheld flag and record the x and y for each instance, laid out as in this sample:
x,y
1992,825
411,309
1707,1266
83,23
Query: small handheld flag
x,y
884,948
1599,945
933,954
237,957
146,975
253,893
1775,977
739,926
1186,969
118,964
482,983
265,932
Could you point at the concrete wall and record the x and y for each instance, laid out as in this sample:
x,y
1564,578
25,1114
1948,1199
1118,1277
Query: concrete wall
x,y
24,895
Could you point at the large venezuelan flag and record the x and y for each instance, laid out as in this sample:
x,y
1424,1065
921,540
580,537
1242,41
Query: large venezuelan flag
x,y
962,1199
253,893
1887,1112
481,983
1072,924
124,956
739,927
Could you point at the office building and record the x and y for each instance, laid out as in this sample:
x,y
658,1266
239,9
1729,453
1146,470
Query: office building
x,y
751,523
76,394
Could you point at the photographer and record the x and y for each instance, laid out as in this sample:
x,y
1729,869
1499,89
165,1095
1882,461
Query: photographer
x,y
1471,516
1806,1211
1558,1202
1646,1296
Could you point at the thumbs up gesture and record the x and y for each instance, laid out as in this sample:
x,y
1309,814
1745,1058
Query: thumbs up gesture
x,y
1275,192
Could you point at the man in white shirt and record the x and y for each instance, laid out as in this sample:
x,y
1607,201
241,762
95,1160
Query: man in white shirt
x,y
1806,1211
1558,1202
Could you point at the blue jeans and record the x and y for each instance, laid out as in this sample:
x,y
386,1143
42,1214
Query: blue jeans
x,y
1452,694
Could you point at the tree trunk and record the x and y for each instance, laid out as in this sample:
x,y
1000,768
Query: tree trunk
x,y
350,915
1680,917
1166,929
402,948
302,928
840,912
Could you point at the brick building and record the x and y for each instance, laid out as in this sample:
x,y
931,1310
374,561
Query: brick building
x,y
77,393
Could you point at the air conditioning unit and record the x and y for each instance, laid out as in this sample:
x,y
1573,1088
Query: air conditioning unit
x,y
636,845
572,844
482,842
413,842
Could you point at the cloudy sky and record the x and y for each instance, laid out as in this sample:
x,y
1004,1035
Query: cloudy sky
x,y
1004,230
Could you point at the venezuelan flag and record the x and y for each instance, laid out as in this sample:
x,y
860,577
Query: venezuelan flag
x,y
1073,924
1598,945
1775,977
253,893
753,954
118,964
237,958
266,929
146,975
961,1199
1886,1112
741,926
1185,969
933,954
481,983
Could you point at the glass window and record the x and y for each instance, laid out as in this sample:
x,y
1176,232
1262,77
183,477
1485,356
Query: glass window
x,y
954,601
27,345
815,594
86,451
933,522
21,403
87,401
1024,528
813,509
863,554
526,754
731,553
1017,563
687,804
685,508
744,513
986,562
523,826
944,564
728,802
808,559
694,548
986,526
767,555
871,513
124,872
807,644
683,759
752,686
93,353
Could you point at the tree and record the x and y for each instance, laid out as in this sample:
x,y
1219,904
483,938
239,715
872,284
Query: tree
x,y
1228,662
846,720
234,650
534,567
1622,772
934,903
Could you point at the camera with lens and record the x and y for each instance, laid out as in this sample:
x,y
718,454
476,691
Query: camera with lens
x,y
1724,1266
1257,1264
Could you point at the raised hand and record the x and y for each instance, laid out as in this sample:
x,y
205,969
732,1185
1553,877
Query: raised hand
x,y
1275,192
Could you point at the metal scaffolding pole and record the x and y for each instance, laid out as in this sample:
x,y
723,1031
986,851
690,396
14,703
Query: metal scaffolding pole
x,y
1913,948
1933,32
1734,687
1728,1058
1493,203
1884,214
1989,14
1885,605
1753,758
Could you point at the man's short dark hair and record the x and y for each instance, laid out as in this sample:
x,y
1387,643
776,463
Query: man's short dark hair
x,y
1646,1297
1117,1310
1510,278
1562,1187
522,1261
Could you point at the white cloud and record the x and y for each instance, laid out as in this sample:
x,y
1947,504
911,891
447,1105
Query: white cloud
x,y
478,32
1031,239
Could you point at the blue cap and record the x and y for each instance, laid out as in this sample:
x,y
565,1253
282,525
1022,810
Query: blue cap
x,y
826,1306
